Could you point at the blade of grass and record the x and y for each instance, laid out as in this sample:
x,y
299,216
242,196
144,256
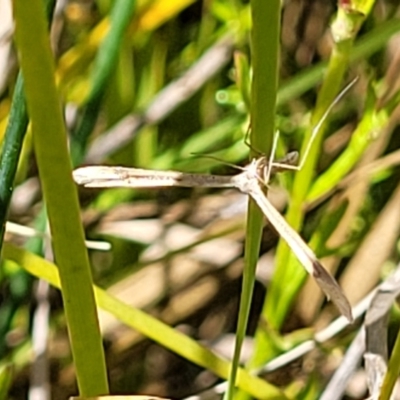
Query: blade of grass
x,y
12,145
265,55
59,191
149,326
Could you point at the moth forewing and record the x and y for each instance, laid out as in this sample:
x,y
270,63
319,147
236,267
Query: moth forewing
x,y
102,176
107,177
303,253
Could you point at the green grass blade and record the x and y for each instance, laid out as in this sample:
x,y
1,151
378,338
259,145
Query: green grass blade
x,y
149,326
14,137
265,56
59,191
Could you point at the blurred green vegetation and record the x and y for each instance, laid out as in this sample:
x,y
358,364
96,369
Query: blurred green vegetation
x,y
165,85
